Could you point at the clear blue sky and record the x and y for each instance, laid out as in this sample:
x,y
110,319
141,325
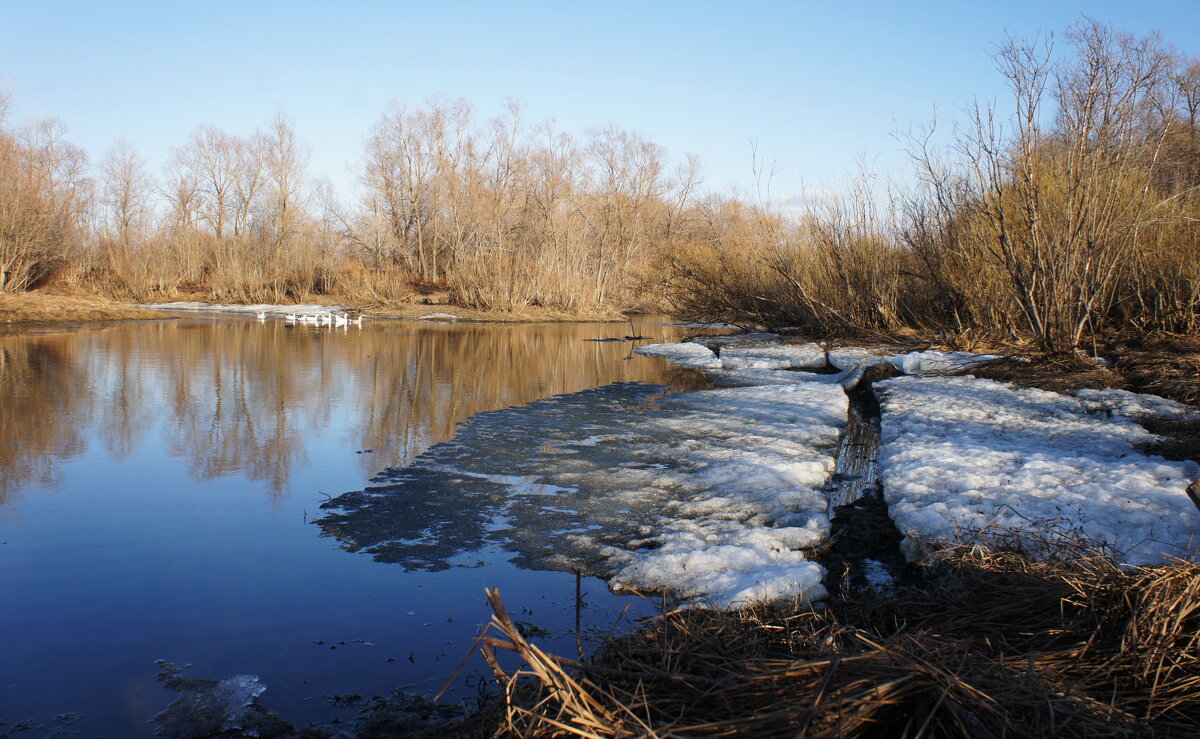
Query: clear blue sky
x,y
816,84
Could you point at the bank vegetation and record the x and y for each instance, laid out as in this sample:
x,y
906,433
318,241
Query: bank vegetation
x,y
1065,216
1073,218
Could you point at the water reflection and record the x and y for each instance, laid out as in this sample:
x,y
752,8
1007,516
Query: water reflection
x,y
248,399
158,481
41,388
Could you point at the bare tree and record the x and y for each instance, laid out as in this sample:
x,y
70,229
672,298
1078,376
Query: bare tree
x,y
126,191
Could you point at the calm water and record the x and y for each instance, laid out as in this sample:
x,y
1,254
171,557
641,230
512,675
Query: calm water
x,y
160,492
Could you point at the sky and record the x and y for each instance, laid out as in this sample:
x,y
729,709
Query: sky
x,y
816,88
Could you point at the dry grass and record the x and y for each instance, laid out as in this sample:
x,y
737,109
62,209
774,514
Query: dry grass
x,y
472,315
989,644
1047,374
36,307
1170,368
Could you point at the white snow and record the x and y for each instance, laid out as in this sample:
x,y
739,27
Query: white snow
x,y
1134,405
910,363
850,357
914,363
744,469
961,454
877,575
753,377
738,352
769,355
239,308
686,354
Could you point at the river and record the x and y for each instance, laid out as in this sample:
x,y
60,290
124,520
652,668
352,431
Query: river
x,y
161,485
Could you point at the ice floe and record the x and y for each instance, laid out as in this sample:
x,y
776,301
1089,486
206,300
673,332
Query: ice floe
x,y
770,355
256,308
738,352
709,494
961,454
915,363
717,495
752,377
687,354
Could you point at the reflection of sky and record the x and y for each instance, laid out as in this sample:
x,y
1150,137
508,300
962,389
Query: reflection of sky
x,y
166,534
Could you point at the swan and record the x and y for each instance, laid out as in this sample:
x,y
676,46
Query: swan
x,y
340,319
262,315
291,317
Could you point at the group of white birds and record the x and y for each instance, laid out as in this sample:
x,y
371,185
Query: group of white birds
x,y
323,318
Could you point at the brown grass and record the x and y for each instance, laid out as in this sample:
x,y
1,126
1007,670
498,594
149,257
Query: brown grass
x,y
37,307
989,644
1047,374
1170,368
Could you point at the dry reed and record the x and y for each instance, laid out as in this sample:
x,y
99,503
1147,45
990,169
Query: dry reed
x,y
988,643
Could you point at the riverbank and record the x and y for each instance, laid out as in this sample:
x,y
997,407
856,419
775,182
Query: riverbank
x,y
47,307
402,311
39,307
982,644
1021,511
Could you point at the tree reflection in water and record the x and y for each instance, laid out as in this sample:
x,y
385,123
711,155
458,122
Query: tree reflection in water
x,y
238,397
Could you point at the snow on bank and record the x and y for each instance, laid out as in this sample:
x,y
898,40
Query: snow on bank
x,y
768,355
687,354
738,352
268,308
766,352
917,363
965,454
1134,405
747,465
910,363
754,377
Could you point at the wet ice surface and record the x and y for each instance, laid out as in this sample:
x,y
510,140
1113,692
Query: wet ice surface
x,y
707,494
967,454
207,707
687,354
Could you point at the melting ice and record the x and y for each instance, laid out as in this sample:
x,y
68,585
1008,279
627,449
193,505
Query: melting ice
x,y
707,494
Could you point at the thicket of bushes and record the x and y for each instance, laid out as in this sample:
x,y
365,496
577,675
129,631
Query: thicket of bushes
x,y
502,214
1076,217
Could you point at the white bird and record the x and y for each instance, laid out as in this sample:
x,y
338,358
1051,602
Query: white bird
x,y
358,321
291,317
262,315
340,319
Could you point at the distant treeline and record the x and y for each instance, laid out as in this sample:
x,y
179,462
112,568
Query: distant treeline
x,y
1076,216
501,214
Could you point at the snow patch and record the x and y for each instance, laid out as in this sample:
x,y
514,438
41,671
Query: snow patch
x,y
915,363
961,454
764,355
269,308
687,354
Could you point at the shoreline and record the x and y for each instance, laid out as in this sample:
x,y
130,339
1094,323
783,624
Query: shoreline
x,y
38,307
